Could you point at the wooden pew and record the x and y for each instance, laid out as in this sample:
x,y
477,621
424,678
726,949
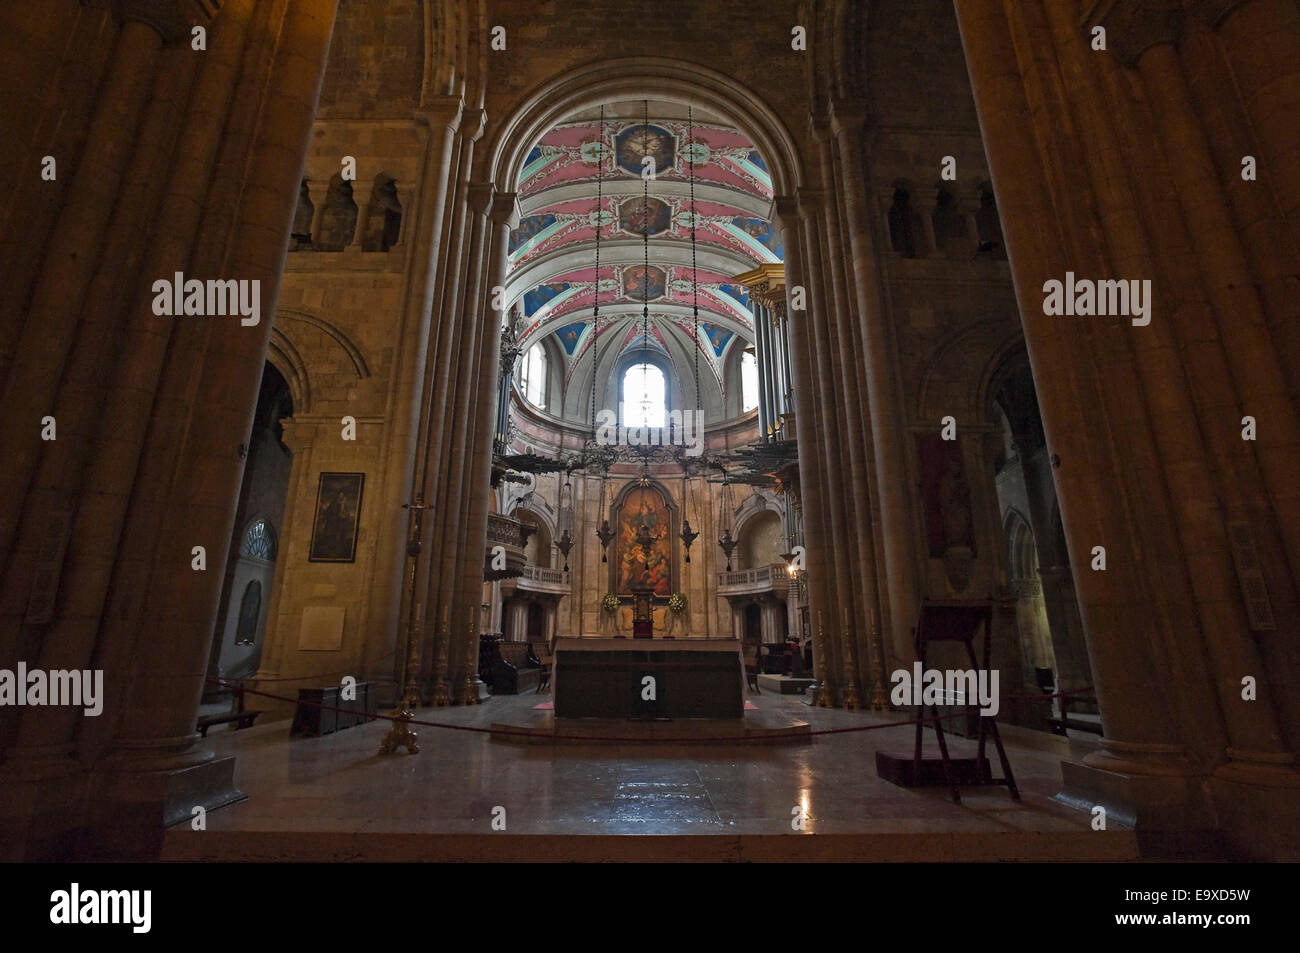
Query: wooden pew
x,y
242,717
517,669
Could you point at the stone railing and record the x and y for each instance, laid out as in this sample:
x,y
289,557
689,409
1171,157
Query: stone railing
x,y
771,578
537,579
545,574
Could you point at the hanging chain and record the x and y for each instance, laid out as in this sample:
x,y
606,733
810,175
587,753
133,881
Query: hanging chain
x,y
595,310
645,265
695,281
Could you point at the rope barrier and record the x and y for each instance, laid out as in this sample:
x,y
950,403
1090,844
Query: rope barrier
x,y
615,739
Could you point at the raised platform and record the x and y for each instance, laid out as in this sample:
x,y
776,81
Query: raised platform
x,y
783,684
648,678
542,727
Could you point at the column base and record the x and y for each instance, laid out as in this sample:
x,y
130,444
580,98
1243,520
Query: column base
x,y
1169,812
130,809
1258,807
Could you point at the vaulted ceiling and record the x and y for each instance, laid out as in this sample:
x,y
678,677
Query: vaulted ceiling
x,y
645,242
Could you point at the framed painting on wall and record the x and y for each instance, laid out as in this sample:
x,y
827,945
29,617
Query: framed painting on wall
x,y
633,567
338,517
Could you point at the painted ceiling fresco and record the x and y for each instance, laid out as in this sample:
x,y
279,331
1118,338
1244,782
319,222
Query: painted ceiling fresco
x,y
552,251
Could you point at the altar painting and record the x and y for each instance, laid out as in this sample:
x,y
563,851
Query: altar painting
x,y
644,506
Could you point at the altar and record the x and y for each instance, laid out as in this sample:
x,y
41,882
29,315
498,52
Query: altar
x,y
648,679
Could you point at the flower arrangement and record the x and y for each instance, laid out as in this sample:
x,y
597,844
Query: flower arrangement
x,y
610,602
677,602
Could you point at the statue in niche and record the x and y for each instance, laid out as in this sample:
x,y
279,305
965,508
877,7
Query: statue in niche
x,y
954,504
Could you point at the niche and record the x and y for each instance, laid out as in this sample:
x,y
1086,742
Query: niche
x,y
949,223
904,224
300,236
383,216
338,222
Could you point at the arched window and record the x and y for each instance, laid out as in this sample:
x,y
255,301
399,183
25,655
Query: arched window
x,y
259,541
532,376
748,381
250,610
644,396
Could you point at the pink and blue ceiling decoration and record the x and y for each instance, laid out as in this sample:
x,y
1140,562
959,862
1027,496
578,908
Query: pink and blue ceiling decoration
x,y
553,246
570,335
635,142
718,337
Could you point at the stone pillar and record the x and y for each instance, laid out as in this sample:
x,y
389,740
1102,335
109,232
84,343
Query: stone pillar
x,y
1262,41
502,213
424,221
1165,647
809,429
889,438
157,772
55,311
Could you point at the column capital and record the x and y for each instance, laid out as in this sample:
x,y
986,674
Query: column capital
x,y
809,201
819,125
766,284
480,195
785,210
1135,26
445,111
504,209
848,116
296,435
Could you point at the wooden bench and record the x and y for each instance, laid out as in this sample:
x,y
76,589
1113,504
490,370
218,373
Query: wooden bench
x,y
242,717
542,652
753,664
516,669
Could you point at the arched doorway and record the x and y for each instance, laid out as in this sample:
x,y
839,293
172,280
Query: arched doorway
x,y
254,549
536,622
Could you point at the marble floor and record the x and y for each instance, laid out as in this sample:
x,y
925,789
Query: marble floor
x,y
335,797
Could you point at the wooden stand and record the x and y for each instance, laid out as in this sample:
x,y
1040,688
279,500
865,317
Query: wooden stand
x,y
954,622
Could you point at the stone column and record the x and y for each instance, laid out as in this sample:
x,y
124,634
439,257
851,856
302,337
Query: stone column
x,y
157,771
808,426
55,311
889,437
424,222
503,213
825,406
1157,740
1250,354
1262,42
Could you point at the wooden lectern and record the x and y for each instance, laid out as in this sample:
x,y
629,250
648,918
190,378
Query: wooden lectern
x,y
953,621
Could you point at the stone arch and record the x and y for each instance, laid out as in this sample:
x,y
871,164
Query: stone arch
x,y
285,358
753,506
968,360
349,347
636,78
540,544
